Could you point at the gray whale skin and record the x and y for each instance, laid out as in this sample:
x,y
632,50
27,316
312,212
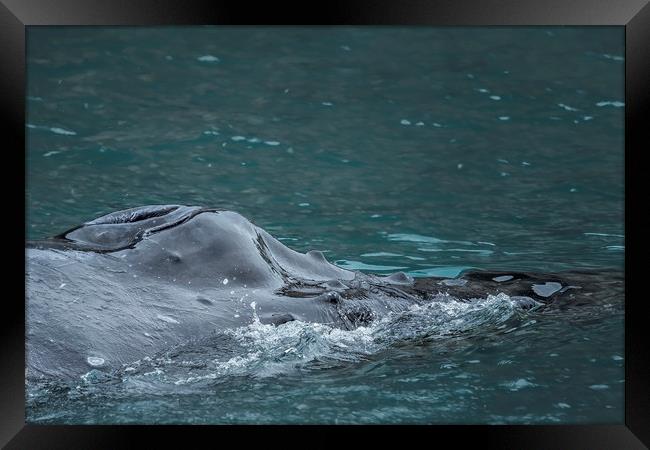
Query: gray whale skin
x,y
137,281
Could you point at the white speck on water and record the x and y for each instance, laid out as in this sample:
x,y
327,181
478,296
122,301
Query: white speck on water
x,y
614,57
573,190
516,385
485,91
169,57
209,164
327,103
419,124
525,163
225,281
345,47
563,405
603,234
598,387
236,315
167,319
586,118
232,292
345,161
504,118
147,334
553,355
615,104
617,358
286,91
474,361
374,216
405,122
504,161
254,140
438,125
208,58
303,204
211,132
495,97
62,286
470,76
504,174
272,143
62,131
567,107
95,361
238,138
459,166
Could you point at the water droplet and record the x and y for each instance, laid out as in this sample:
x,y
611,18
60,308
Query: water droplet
x,y
95,361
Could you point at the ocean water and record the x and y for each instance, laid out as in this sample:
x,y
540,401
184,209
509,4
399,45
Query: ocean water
x,y
424,150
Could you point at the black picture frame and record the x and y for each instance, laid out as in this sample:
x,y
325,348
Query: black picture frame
x,y
634,15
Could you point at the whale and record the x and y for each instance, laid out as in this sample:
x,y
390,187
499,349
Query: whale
x,y
134,282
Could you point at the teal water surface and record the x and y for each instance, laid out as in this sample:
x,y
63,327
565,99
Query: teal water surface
x,y
424,150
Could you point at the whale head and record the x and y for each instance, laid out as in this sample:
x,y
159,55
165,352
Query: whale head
x,y
202,246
